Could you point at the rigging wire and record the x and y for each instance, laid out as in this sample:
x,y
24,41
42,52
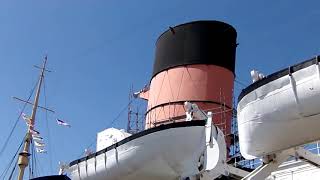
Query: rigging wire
x,y
31,166
38,166
36,169
16,122
104,43
120,113
12,172
241,83
33,160
113,121
4,173
122,34
34,165
30,170
47,126
239,86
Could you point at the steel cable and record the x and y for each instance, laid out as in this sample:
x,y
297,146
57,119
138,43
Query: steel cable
x,y
113,121
47,125
4,173
16,122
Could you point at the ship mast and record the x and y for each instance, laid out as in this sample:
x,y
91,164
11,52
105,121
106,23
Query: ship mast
x,y
23,160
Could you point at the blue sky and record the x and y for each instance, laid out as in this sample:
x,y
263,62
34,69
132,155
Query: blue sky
x,y
97,49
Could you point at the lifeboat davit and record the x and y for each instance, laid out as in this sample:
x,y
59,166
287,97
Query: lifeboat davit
x,y
280,111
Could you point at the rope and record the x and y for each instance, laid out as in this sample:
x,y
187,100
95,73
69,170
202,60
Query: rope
x,y
13,170
4,173
119,114
34,166
37,164
16,122
47,125
30,168
113,121
33,160
240,83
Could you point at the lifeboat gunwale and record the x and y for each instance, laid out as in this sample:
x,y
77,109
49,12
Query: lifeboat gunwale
x,y
140,134
277,75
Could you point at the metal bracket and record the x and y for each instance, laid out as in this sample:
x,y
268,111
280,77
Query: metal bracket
x,y
307,156
265,170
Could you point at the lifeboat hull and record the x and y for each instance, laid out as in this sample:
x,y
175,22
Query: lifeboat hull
x,y
280,111
165,152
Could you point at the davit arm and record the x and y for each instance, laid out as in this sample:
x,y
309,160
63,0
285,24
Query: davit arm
x,y
213,162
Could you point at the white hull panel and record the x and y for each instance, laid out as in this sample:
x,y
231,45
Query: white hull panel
x,y
283,113
164,154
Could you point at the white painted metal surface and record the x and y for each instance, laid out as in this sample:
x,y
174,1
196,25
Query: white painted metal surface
x,y
110,136
165,154
173,153
295,170
281,114
194,149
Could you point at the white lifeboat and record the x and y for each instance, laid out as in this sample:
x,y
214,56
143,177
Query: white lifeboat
x,y
172,151
280,111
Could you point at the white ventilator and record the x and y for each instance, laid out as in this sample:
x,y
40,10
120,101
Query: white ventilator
x,y
256,75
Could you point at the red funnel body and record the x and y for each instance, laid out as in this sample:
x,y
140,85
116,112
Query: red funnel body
x,y
194,62
195,83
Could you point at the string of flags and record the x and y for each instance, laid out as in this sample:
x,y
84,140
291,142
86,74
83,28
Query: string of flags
x,y
27,119
37,139
34,132
40,150
38,144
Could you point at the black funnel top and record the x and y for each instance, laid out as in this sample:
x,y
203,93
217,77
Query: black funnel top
x,y
198,42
